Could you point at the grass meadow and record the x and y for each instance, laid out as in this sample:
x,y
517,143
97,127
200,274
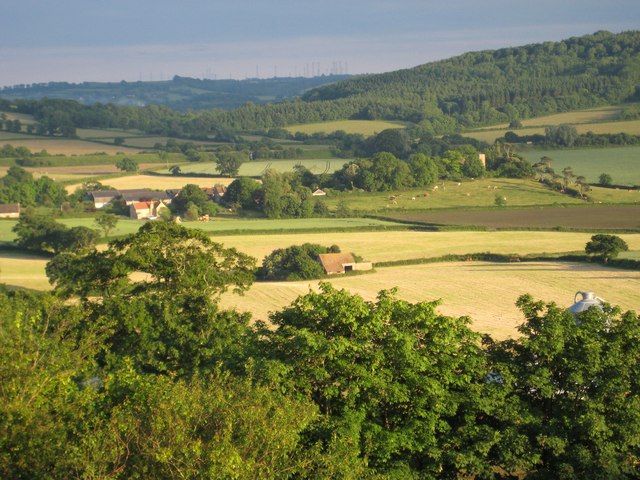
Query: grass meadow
x,y
364,127
578,217
473,193
491,134
486,292
622,163
64,146
258,167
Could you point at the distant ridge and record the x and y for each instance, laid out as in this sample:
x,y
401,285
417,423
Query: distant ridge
x,y
180,93
476,88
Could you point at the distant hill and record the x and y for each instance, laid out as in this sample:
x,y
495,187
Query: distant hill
x,y
476,88
180,93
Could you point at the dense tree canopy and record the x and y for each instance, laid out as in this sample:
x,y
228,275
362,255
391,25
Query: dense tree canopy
x,y
131,369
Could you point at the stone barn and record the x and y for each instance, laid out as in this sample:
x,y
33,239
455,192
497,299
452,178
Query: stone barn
x,y
335,263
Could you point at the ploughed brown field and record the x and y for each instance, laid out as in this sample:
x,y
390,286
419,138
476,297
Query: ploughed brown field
x,y
588,217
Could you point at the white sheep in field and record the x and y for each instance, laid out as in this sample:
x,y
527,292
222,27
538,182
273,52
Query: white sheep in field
x,y
413,198
459,184
435,188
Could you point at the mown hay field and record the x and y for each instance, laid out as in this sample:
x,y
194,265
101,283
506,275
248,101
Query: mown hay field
x,y
258,167
486,292
157,182
26,119
364,127
405,245
65,146
622,163
23,270
583,217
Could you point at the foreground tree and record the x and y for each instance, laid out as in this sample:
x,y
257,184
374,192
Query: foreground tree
x,y
63,416
605,247
154,296
398,386
574,391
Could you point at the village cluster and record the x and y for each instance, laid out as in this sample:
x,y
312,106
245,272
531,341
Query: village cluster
x,y
147,204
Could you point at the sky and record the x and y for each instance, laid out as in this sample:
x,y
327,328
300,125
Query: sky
x,y
113,40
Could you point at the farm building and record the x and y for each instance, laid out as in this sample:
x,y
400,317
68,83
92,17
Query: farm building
x,y
144,195
319,192
217,192
103,197
10,210
146,210
334,263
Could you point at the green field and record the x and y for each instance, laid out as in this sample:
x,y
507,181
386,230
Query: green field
x,y
104,133
64,146
622,163
226,225
582,217
364,127
258,167
597,120
474,193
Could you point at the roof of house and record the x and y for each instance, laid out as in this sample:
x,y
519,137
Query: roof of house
x,y
142,206
104,194
219,189
9,208
334,262
319,191
143,194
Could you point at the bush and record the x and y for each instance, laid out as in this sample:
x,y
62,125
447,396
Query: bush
x,y
298,262
605,179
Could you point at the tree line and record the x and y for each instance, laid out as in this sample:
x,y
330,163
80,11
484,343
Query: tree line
x,y
115,378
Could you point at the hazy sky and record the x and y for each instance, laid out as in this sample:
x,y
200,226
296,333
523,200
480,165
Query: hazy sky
x,y
78,40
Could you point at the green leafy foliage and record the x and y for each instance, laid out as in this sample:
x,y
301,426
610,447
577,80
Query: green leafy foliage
x,y
107,222
194,200
41,233
19,186
242,192
167,319
401,384
573,392
127,164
